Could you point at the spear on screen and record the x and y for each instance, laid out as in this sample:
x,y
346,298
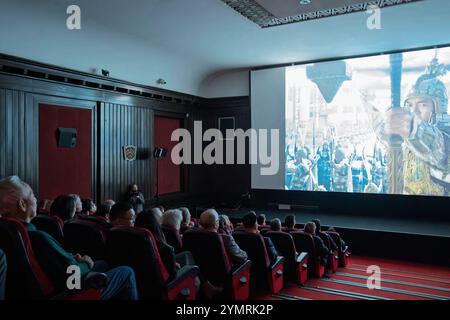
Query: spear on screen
x,y
395,155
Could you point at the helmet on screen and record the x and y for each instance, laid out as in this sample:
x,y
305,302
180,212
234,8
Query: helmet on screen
x,y
429,86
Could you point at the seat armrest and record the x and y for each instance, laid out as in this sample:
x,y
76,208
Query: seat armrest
x,y
279,260
246,265
182,274
302,256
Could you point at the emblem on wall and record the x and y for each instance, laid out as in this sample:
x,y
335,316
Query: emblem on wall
x,y
129,152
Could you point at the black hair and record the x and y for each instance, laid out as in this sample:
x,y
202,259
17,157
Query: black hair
x,y
63,206
317,223
289,221
86,205
249,220
261,218
103,210
147,220
119,209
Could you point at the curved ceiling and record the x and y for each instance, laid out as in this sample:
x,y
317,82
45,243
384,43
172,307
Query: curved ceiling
x,y
186,42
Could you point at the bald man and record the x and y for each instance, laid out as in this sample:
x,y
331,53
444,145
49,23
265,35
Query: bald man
x,y
209,220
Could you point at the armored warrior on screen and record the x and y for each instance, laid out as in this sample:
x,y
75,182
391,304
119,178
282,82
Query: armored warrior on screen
x,y
424,125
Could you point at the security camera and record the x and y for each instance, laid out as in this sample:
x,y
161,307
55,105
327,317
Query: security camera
x,y
161,81
105,73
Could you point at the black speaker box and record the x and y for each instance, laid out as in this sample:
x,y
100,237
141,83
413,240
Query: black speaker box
x,y
66,137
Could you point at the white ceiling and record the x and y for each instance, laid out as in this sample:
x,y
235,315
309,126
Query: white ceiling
x,y
188,41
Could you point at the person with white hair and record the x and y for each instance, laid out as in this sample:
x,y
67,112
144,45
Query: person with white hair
x,y
17,201
172,218
209,220
187,223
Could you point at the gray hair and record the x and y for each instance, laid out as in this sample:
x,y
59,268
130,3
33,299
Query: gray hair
x,y
12,189
310,227
275,224
186,214
172,218
209,218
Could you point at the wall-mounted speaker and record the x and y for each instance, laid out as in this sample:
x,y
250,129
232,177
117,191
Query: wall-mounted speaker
x,y
66,137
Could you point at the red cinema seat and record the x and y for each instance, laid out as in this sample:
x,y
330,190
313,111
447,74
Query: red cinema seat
x,y
210,255
101,221
334,257
295,264
136,247
173,237
264,273
343,252
51,224
25,278
305,243
85,238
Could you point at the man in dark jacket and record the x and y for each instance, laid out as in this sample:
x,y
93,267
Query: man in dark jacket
x,y
251,225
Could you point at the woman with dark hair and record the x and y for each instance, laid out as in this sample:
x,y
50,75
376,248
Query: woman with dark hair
x,y
64,206
135,198
173,262
88,207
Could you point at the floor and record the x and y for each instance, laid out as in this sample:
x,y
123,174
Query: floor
x,y
399,281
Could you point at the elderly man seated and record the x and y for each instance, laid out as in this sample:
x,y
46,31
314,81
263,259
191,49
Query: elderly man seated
x,y
209,220
17,201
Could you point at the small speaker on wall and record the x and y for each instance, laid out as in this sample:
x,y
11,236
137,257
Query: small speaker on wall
x,y
66,137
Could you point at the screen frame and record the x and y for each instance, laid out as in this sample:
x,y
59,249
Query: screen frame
x,y
417,206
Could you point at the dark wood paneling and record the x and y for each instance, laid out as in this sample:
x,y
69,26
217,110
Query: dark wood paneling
x,y
121,125
18,136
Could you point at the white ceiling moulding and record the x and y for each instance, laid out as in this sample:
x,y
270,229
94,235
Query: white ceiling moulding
x,y
271,13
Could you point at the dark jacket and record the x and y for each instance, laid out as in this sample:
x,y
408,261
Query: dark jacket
x,y
321,250
167,254
137,201
237,255
271,250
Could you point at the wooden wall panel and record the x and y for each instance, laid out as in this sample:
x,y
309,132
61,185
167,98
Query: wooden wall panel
x,y
122,125
18,136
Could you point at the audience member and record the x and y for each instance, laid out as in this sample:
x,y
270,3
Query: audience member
x,y
122,215
225,225
173,262
78,204
320,248
158,214
261,219
17,201
251,225
135,198
186,223
289,223
64,206
88,207
104,209
209,220
172,218
275,225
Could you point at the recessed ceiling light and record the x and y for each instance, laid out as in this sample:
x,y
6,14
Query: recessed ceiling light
x,y
302,2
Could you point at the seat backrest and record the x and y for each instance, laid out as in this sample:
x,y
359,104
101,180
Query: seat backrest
x,y
336,238
255,247
172,237
209,254
285,245
136,247
325,239
25,278
85,237
304,242
96,219
53,225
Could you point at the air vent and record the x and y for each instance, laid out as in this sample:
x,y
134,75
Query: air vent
x,y
157,96
56,78
13,70
106,87
35,74
122,90
134,92
75,81
168,98
146,94
92,84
